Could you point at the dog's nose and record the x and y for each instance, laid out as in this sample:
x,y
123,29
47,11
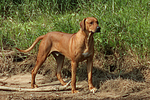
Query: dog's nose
x,y
98,29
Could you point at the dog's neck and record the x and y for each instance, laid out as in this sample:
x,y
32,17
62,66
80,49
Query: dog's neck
x,y
87,40
87,36
85,33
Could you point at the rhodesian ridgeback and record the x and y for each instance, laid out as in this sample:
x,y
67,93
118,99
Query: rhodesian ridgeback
x,y
76,47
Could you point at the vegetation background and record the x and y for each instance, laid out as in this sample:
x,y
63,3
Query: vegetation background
x,y
122,48
125,24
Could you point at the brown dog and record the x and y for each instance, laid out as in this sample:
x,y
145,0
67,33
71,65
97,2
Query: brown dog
x,y
76,47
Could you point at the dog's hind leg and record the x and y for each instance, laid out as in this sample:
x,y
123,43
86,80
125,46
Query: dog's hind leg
x,y
59,60
39,62
42,55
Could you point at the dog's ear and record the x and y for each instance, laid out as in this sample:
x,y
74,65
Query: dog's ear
x,y
82,24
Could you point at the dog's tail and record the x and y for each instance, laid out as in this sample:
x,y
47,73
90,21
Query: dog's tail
x,y
34,43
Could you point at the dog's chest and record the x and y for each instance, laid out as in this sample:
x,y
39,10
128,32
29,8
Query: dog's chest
x,y
86,54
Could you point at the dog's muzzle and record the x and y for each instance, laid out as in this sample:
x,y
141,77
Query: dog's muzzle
x,y
98,29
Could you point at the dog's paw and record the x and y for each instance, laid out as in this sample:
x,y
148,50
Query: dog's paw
x,y
93,90
75,91
67,84
34,86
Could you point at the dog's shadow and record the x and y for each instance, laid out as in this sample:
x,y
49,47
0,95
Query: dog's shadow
x,y
99,76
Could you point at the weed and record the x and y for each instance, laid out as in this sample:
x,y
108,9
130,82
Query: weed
x,y
125,24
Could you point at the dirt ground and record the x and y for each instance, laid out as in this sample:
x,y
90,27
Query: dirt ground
x,y
116,78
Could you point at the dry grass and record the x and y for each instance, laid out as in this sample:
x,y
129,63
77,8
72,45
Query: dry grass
x,y
113,77
123,86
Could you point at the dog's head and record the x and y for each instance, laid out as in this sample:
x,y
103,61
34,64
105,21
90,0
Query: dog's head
x,y
90,24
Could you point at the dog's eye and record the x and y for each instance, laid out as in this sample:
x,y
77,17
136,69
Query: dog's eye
x,y
91,23
97,22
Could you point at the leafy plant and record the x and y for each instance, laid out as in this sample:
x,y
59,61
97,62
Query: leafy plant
x,y
124,24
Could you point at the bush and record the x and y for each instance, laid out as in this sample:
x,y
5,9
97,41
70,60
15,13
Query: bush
x,y
125,24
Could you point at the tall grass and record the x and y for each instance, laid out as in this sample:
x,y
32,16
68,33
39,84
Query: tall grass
x,y
125,24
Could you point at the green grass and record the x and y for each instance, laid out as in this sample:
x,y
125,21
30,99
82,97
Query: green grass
x,y
125,24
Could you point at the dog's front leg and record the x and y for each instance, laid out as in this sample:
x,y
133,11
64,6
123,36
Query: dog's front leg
x,y
73,80
89,71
